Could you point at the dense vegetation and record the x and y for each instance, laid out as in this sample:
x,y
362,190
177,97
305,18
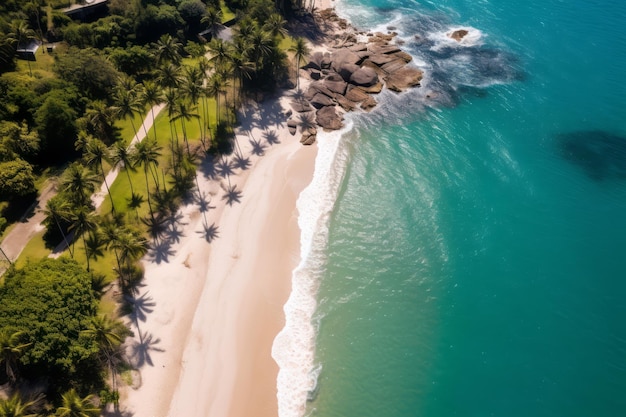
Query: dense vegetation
x,y
70,115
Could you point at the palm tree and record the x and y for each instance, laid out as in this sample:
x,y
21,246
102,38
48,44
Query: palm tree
x,y
147,153
76,406
94,243
58,209
214,88
192,90
151,96
79,183
127,105
19,32
94,155
183,113
83,221
123,157
301,50
131,245
275,26
261,44
15,407
11,348
219,53
109,335
240,67
100,119
213,20
168,50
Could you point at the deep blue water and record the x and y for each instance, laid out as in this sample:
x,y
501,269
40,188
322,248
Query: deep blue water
x,y
476,263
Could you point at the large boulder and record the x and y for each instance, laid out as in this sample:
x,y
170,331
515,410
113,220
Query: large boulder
x,y
380,59
317,87
345,104
393,66
335,83
342,57
315,61
369,103
346,71
292,125
364,76
384,49
328,118
300,106
404,78
356,95
358,47
403,55
321,100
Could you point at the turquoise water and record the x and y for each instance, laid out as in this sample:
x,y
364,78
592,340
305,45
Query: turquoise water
x,y
476,257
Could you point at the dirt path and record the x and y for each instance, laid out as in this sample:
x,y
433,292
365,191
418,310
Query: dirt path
x,y
30,224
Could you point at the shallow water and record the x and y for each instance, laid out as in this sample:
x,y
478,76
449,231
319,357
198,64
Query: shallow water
x,y
474,264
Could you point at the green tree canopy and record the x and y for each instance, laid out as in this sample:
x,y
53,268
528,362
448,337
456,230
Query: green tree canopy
x,y
16,178
51,302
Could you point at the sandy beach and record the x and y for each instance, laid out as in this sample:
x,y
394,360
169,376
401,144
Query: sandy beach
x,y
208,312
212,302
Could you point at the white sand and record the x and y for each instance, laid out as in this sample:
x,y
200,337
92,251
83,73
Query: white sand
x,y
213,310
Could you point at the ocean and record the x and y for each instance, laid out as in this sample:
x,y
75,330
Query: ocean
x,y
464,244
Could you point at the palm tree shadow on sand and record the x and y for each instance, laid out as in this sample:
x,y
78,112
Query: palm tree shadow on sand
x,y
210,233
233,195
271,137
140,306
160,251
257,147
138,352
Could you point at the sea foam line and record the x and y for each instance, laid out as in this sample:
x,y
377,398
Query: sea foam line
x,y
294,347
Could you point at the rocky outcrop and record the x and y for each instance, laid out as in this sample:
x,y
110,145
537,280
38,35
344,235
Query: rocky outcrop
x,y
459,34
346,78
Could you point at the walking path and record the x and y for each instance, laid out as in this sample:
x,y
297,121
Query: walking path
x,y
31,224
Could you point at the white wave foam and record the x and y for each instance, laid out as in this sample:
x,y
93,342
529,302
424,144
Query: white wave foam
x,y
294,347
442,39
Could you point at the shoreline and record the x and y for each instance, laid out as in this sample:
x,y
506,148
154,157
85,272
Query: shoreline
x,y
208,316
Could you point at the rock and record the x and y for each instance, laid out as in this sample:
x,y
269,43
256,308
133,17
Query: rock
x,y
317,87
345,104
346,71
393,66
335,83
308,138
402,55
384,49
342,57
364,55
315,75
359,47
368,104
328,118
403,78
288,113
380,59
326,61
320,100
391,28
300,106
365,76
315,61
373,89
292,125
355,94
459,34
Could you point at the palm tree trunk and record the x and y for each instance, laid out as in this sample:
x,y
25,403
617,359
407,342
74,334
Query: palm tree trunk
x,y
106,184
67,244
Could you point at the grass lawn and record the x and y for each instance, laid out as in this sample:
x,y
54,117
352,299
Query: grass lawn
x,y
41,68
35,249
